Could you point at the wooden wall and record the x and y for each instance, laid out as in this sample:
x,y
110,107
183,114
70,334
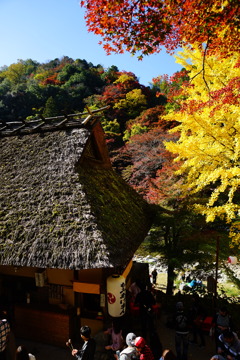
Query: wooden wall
x,y
43,326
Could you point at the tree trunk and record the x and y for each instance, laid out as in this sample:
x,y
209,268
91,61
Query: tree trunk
x,y
170,279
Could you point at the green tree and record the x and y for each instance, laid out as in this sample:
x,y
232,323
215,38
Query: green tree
x,y
183,237
50,109
16,73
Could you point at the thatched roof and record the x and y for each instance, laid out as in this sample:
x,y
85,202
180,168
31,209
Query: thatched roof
x,y
62,205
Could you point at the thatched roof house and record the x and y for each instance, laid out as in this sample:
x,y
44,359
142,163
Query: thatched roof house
x,y
62,205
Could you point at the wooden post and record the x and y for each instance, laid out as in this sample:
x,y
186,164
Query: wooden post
x,y
216,271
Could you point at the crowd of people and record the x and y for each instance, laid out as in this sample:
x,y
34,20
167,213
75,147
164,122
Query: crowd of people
x,y
186,320
136,347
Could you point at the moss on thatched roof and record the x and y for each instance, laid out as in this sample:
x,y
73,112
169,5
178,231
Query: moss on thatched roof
x,y
58,211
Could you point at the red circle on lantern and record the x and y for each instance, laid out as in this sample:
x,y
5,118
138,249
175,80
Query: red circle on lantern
x,y
111,298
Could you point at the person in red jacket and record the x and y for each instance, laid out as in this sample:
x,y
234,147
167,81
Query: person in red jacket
x,y
145,353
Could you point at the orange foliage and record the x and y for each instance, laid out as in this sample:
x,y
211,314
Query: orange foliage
x,y
146,26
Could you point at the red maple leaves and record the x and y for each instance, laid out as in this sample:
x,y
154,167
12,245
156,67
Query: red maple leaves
x,y
146,26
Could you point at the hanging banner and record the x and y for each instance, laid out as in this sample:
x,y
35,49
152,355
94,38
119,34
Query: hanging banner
x,y
116,295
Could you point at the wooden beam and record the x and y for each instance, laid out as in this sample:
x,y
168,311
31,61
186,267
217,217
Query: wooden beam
x,y
127,269
87,288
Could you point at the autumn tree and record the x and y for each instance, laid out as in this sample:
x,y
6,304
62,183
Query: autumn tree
x,y
209,143
177,233
170,88
133,103
209,114
146,26
127,99
16,73
118,85
146,154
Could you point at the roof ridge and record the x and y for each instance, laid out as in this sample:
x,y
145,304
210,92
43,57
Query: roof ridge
x,y
50,124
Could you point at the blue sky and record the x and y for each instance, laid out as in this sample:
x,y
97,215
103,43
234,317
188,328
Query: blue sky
x,y
48,29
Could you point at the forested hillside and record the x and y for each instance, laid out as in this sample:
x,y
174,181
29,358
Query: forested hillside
x,y
29,89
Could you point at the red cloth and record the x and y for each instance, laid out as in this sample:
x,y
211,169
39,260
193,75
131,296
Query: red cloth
x,y
207,323
146,353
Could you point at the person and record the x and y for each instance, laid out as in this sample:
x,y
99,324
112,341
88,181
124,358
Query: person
x,y
115,333
221,321
181,322
88,349
154,276
134,289
145,300
130,352
197,315
4,334
143,350
168,355
23,354
228,346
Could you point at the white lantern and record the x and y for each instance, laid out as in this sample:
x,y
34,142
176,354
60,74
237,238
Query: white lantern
x,y
232,260
116,295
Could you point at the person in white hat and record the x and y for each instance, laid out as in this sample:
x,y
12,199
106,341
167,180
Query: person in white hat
x,y
130,352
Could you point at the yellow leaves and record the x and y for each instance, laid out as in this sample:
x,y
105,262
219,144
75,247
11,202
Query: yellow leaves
x,y
133,98
219,8
123,78
227,212
216,71
15,72
235,232
209,127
